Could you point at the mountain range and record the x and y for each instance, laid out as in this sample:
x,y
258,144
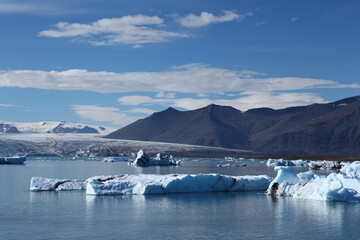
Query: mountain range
x,y
49,127
317,129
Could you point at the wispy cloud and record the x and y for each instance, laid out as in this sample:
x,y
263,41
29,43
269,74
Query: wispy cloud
x,y
190,78
38,7
294,19
7,105
104,114
244,102
146,111
206,18
260,23
133,30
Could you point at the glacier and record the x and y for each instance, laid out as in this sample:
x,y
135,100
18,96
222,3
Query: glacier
x,y
343,186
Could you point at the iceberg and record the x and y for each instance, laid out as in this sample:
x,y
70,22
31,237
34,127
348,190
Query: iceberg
x,y
352,170
282,162
325,165
228,165
38,184
143,160
115,159
334,187
50,184
154,184
13,160
163,184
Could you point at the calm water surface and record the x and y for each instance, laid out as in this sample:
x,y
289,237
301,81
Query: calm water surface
x,y
73,215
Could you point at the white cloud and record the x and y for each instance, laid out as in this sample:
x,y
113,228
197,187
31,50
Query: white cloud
x,y
260,23
206,18
7,105
166,95
142,111
294,19
104,114
39,7
133,30
254,100
191,78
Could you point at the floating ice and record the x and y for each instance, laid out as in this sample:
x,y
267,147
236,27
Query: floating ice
x,y
154,184
45,184
306,176
115,159
334,187
276,162
300,162
282,162
161,184
13,160
325,165
144,160
228,165
50,184
352,170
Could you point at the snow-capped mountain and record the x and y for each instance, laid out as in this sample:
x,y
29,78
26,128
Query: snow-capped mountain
x,y
49,127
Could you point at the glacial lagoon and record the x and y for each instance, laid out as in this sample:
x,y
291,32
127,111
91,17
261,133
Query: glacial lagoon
x,y
234,215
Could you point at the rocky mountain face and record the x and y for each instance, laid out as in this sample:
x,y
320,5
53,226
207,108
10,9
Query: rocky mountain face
x,y
317,129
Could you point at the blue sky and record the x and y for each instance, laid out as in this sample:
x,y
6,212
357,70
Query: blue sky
x,y
111,62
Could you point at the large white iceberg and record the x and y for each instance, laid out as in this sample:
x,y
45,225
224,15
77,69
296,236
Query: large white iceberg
x,y
162,184
154,184
144,160
334,187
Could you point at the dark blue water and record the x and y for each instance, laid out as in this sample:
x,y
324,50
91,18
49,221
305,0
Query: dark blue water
x,y
73,215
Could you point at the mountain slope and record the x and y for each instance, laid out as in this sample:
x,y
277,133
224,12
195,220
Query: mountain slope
x,y
200,127
319,129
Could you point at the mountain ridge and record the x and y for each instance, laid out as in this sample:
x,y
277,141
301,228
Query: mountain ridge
x,y
322,129
49,127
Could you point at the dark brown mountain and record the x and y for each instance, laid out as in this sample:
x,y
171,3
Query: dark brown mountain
x,y
317,129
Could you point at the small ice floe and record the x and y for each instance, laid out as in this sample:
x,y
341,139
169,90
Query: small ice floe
x,y
115,159
326,165
13,160
143,160
343,186
283,162
228,165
